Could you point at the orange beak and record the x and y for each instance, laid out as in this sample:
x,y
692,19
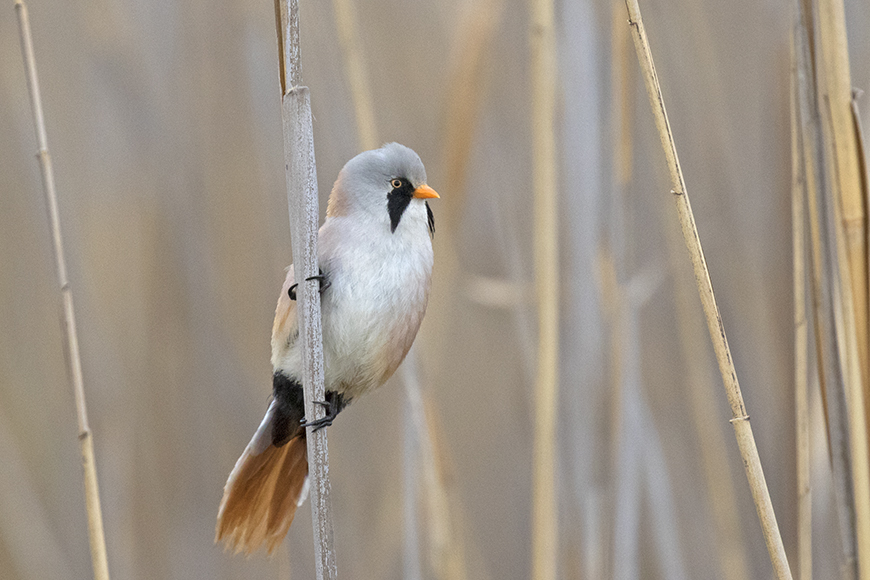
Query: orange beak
x,y
425,192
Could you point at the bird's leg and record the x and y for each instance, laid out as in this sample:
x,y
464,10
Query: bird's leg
x,y
321,277
333,405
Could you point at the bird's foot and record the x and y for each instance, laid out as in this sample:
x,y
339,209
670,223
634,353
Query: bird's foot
x,y
324,283
318,424
321,277
333,405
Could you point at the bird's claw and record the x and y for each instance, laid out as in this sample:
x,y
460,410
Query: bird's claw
x,y
333,405
324,283
321,277
318,424
325,421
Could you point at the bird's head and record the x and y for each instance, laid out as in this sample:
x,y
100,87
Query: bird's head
x,y
381,183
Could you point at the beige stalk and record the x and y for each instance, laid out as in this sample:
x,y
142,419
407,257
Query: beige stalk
x,y
546,252
849,205
96,535
302,201
740,418
801,337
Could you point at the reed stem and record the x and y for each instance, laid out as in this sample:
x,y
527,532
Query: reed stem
x,y
740,418
546,251
302,201
848,202
96,535
355,70
831,380
801,336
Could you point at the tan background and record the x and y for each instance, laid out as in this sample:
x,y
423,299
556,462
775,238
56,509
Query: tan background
x,y
164,124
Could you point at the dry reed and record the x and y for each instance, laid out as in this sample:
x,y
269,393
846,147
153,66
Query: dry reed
x,y
740,419
830,372
848,201
730,542
801,337
835,89
302,200
96,535
466,89
546,252
355,70
730,545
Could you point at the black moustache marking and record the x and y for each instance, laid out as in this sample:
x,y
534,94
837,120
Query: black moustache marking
x,y
430,217
397,202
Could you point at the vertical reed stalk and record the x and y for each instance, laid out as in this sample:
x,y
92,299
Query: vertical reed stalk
x,y
801,337
844,318
96,535
355,70
865,184
475,27
466,86
546,251
412,563
301,176
740,419
447,543
850,231
831,378
836,90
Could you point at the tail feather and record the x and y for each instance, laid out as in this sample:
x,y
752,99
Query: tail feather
x,y
263,491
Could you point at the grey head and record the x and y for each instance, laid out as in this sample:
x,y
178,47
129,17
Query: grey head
x,y
382,182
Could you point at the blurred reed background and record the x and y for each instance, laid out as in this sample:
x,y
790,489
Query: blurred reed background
x,y
164,126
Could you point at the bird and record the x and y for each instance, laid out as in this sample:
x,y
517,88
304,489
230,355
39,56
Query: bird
x,y
375,258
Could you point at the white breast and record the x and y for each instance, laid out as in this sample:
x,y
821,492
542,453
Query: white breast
x,y
379,287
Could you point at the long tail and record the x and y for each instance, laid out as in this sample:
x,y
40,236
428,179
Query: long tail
x,y
263,491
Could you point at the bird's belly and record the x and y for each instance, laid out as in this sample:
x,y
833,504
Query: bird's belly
x,y
369,328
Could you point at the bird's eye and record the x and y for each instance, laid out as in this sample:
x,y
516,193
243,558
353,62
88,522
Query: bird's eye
x,y
396,183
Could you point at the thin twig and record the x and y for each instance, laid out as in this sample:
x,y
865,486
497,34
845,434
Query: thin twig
x,y
740,418
546,251
301,176
96,535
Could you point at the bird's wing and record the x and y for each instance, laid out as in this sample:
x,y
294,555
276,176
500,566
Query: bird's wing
x,y
285,329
